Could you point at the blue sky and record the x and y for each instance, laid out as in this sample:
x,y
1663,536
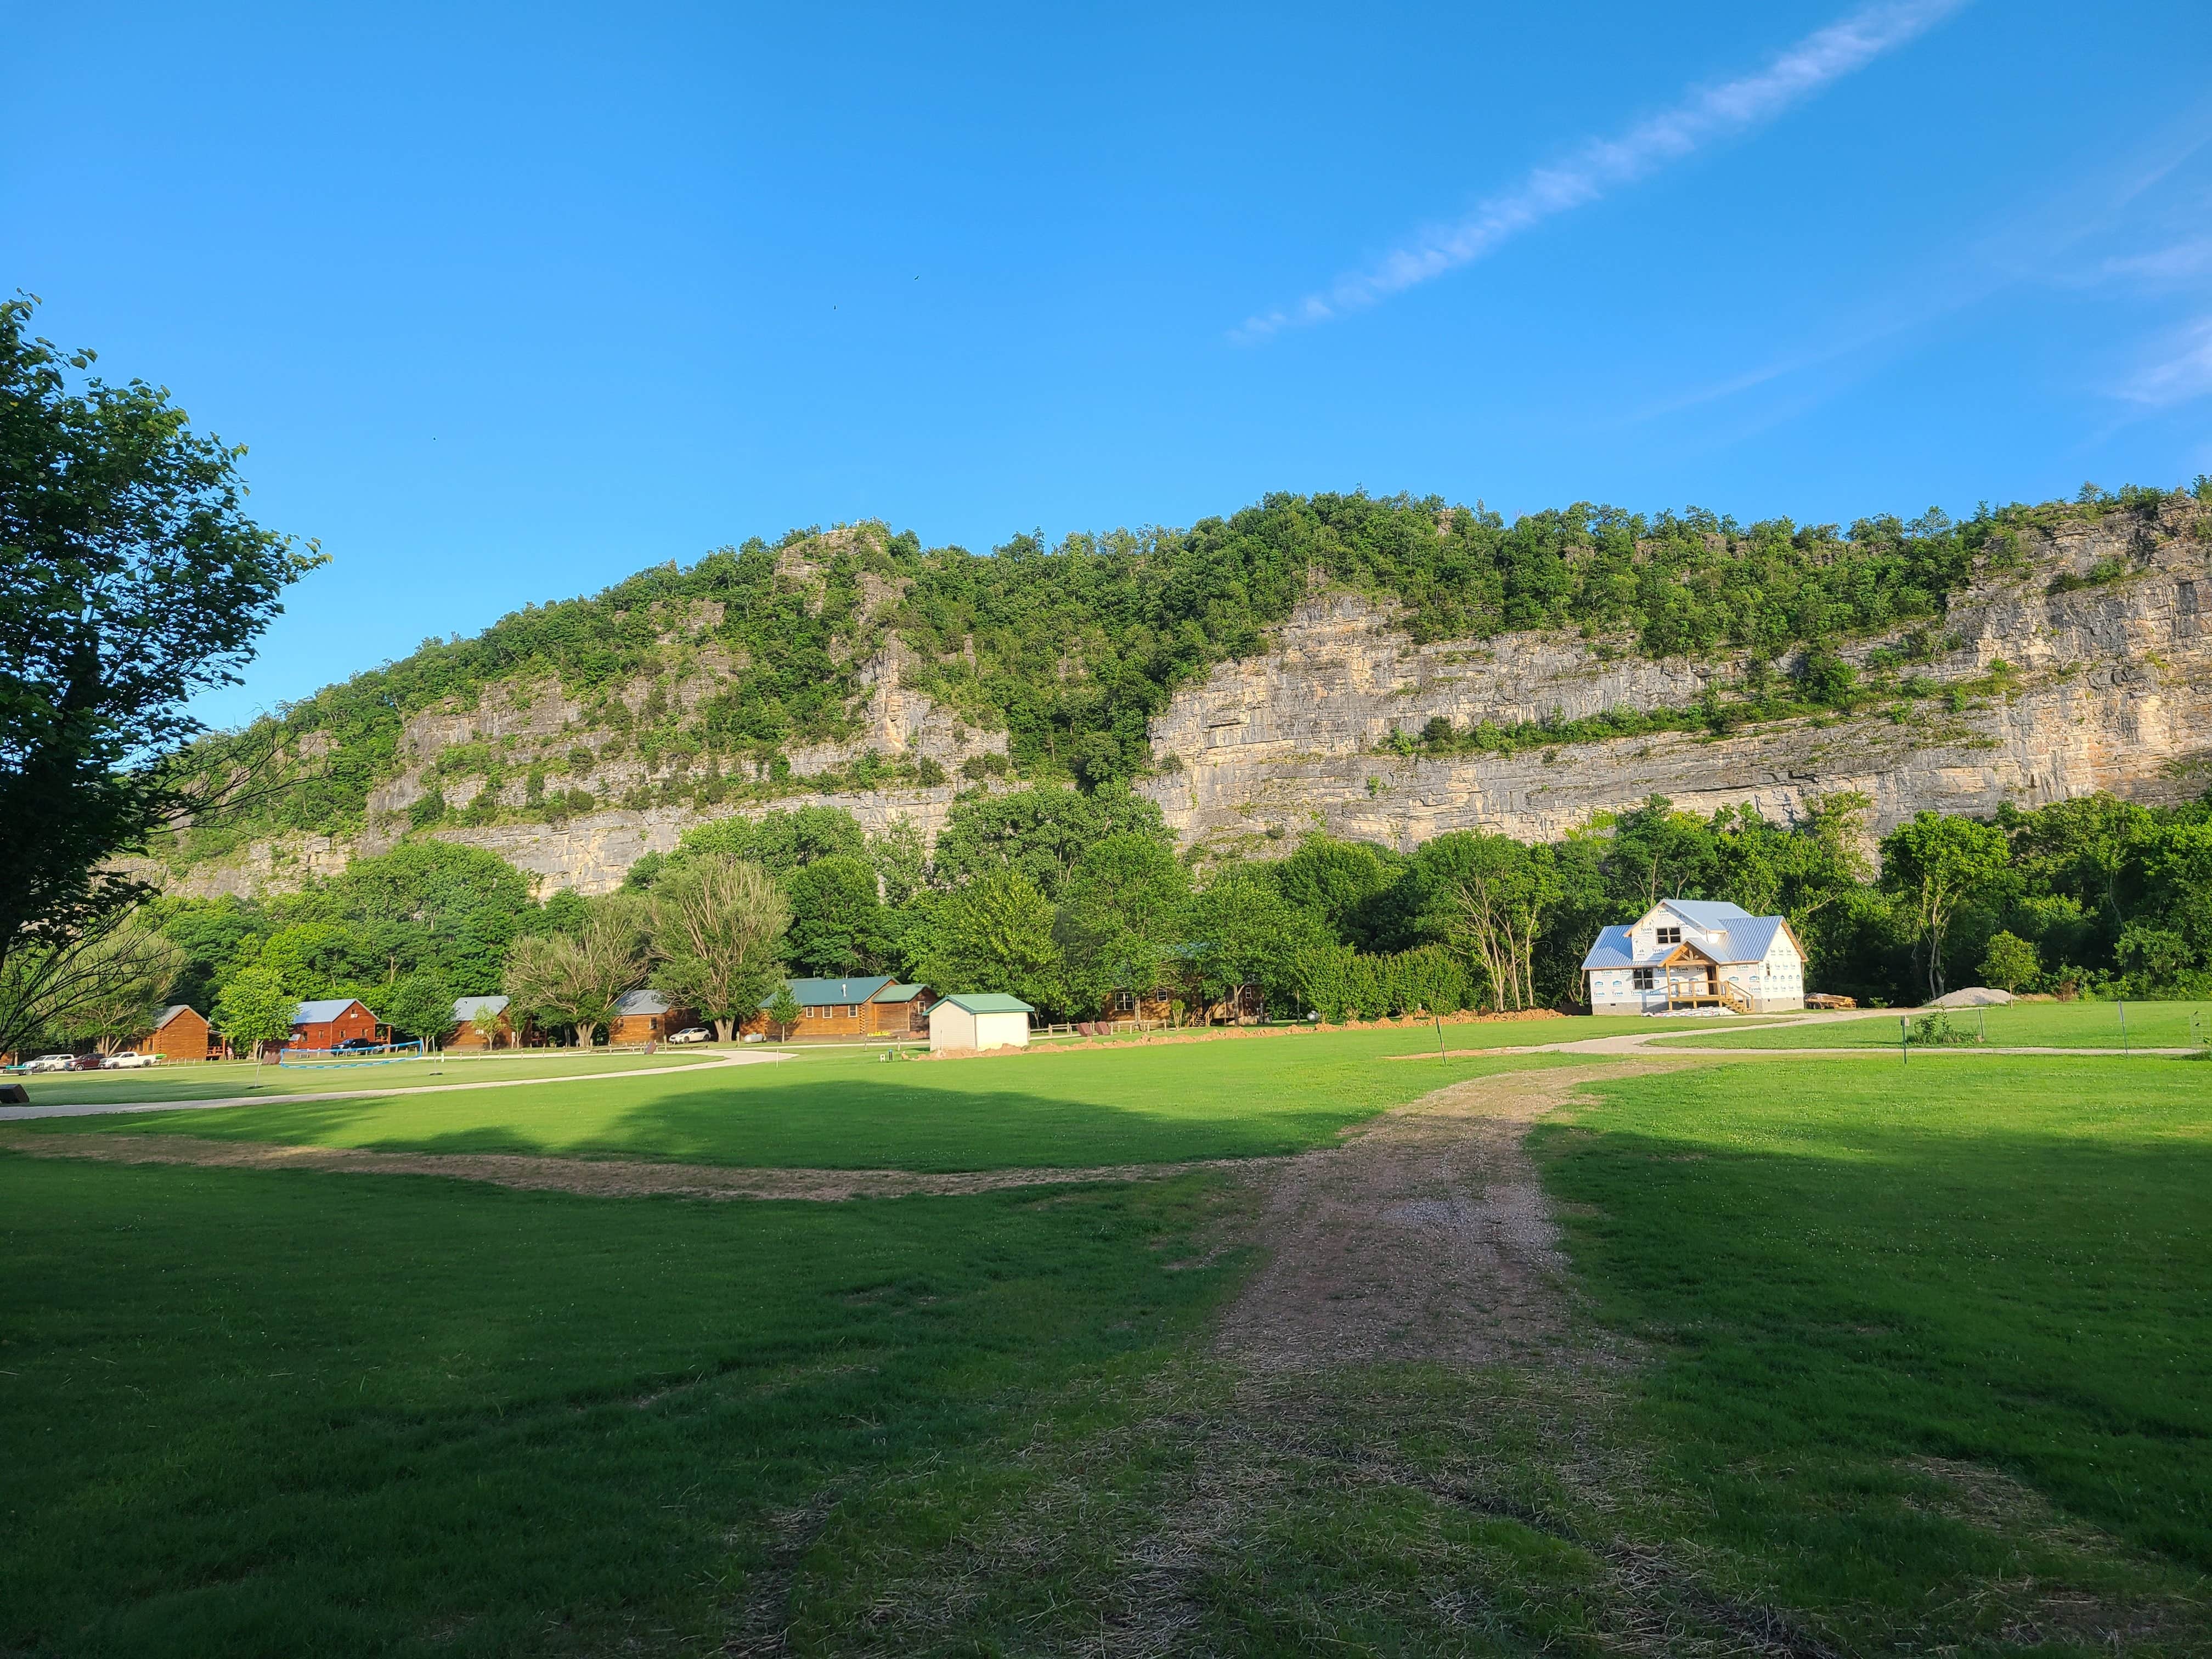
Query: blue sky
x,y
510,302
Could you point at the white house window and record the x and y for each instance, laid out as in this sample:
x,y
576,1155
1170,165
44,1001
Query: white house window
x,y
1641,979
1670,935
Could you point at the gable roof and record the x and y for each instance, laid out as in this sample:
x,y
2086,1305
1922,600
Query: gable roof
x,y
988,1002
819,993
641,1003
1611,949
1745,938
1708,913
901,993
172,1012
316,1013
467,1008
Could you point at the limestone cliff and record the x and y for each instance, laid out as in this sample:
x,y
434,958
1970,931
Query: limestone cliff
x,y
2085,663
2112,691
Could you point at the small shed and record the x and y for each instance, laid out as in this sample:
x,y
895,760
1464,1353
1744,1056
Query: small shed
x,y
468,1034
976,1020
325,1024
180,1033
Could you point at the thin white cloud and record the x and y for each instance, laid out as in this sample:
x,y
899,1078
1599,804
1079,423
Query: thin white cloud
x,y
2176,264
1823,57
2181,372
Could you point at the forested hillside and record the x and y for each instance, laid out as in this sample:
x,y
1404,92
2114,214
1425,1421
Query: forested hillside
x,y
1068,650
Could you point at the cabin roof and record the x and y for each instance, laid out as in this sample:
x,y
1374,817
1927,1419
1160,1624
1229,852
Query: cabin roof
x,y
319,1013
820,993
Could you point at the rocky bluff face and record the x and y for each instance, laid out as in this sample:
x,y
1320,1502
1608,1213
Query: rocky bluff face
x,y
2041,689
2086,665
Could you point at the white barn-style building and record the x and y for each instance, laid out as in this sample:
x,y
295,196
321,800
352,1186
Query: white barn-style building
x,y
1696,953
973,1020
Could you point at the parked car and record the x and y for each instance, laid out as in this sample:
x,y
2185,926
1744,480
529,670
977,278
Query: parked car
x,y
132,1063
693,1034
353,1044
51,1063
91,1062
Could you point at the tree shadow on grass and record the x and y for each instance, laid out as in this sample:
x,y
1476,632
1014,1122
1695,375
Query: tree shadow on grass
x,y
978,1116
1825,1312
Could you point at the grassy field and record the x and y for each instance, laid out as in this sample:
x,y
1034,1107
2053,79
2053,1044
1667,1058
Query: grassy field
x,y
2020,1024
836,1108
229,1079
1906,1361
281,1414
1850,1279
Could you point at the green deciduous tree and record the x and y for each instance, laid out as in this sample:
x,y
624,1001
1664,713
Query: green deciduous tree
x,y
1040,832
255,1009
1934,865
419,1004
1242,931
130,971
838,925
782,1013
130,579
718,936
2011,962
994,934
575,978
779,842
106,983
1121,918
1486,896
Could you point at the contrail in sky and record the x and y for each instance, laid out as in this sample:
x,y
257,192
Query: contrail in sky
x,y
1826,55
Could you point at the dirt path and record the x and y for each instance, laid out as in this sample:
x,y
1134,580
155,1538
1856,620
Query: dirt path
x,y
106,1108
1424,1236
590,1178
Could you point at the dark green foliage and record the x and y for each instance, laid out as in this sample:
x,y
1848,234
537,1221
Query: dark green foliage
x,y
993,934
838,925
130,579
1338,983
779,842
1040,832
430,909
1120,924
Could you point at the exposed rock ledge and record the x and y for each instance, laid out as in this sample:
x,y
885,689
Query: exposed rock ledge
x,y
2114,693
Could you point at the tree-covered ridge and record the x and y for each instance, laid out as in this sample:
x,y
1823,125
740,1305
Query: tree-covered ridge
x,y
1071,649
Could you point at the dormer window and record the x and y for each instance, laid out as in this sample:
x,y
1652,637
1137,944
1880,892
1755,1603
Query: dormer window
x,y
1670,935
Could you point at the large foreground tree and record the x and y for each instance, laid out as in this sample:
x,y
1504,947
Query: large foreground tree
x,y
130,579
718,927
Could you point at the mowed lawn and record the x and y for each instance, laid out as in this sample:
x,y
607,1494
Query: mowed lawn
x,y
845,1109
282,1413
2018,1024
237,1080
1866,1288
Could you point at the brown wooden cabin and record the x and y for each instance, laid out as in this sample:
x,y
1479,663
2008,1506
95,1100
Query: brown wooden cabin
x,y
644,1016
873,1005
180,1033
465,1034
